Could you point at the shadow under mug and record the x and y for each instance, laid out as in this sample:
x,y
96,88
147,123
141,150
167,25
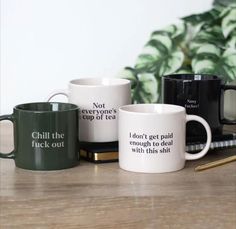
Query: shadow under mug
x,y
200,94
45,136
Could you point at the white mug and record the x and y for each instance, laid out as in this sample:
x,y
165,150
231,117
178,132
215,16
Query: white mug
x,y
152,138
98,100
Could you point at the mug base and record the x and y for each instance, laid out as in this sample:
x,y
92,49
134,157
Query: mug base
x,y
44,169
152,171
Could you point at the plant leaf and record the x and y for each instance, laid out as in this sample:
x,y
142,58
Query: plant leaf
x,y
230,57
144,86
229,22
175,32
146,63
170,63
206,17
161,42
223,2
180,29
211,35
226,9
232,41
146,92
209,60
166,64
159,57
130,74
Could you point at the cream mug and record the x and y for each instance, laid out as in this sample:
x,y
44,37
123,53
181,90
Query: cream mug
x,y
152,138
98,100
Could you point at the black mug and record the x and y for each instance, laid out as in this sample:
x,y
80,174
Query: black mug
x,y
45,136
200,94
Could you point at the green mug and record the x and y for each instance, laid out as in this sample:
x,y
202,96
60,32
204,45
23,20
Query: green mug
x,y
45,136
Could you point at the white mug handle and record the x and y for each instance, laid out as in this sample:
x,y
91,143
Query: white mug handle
x,y
189,156
57,92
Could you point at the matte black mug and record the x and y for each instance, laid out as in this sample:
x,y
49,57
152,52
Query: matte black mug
x,y
200,94
45,136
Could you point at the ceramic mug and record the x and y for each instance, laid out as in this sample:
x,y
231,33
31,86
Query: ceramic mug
x,y
201,95
99,100
45,136
152,138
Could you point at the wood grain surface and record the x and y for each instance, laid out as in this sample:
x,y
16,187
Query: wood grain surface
x,y
104,196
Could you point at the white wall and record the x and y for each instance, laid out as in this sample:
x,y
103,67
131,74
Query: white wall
x,y
45,43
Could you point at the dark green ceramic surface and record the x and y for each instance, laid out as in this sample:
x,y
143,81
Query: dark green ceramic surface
x,y
45,136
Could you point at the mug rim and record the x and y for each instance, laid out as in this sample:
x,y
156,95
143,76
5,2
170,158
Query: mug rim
x,y
69,107
175,77
166,109
99,82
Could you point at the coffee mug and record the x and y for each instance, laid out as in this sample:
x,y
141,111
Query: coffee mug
x,y
45,136
201,95
152,138
99,100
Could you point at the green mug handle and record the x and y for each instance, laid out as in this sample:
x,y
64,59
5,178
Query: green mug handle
x,y
10,155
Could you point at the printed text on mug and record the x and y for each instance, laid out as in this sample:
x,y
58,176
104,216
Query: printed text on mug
x,y
47,140
145,143
98,112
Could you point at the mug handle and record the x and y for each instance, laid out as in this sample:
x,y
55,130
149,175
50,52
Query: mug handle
x,y
10,155
189,156
57,92
225,120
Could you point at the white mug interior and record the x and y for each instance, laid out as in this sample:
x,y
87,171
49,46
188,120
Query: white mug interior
x,y
99,82
152,109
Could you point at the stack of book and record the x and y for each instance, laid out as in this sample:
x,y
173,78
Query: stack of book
x,y
99,152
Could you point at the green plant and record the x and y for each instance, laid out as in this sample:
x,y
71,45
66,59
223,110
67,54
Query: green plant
x,y
201,43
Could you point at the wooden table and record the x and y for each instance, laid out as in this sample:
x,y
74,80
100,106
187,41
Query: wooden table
x,y
104,196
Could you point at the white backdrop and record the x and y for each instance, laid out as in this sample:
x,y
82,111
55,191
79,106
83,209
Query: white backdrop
x,y
46,43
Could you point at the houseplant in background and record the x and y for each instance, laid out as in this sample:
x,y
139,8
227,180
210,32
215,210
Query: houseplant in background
x,y
200,43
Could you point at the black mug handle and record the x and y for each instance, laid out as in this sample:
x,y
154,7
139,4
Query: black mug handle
x,y
224,120
10,155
